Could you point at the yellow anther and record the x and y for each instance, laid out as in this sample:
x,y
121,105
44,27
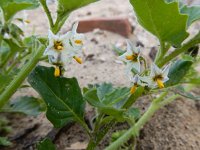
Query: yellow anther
x,y
27,21
79,42
57,71
133,89
160,83
58,45
129,57
132,57
78,59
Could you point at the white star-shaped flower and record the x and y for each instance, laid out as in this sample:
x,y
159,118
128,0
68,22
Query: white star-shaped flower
x,y
58,49
131,57
76,40
157,76
135,81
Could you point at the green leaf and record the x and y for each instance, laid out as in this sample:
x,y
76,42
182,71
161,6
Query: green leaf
x,y
4,141
107,102
117,113
66,6
62,96
132,98
162,19
193,13
11,7
106,95
104,89
46,144
27,105
133,113
92,98
117,95
181,91
178,71
4,52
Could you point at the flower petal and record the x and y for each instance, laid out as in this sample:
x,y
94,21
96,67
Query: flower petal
x,y
155,70
74,28
166,70
50,51
136,66
129,46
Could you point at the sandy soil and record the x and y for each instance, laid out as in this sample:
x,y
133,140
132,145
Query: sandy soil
x,y
175,127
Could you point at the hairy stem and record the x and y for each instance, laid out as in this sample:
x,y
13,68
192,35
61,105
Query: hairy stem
x,y
161,52
59,23
48,13
19,78
155,105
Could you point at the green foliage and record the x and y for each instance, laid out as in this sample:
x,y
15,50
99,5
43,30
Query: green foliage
x,y
67,6
107,99
183,92
106,95
162,20
133,113
130,101
178,71
62,96
11,7
193,13
26,105
46,144
4,141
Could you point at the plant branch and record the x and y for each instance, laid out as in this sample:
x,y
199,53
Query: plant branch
x,y
48,13
195,40
161,52
59,23
19,78
155,105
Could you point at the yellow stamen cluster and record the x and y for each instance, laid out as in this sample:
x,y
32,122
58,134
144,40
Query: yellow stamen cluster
x,y
133,89
57,71
160,83
158,79
132,57
78,59
58,45
79,42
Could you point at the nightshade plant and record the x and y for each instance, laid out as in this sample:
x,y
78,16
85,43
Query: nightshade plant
x,y
171,75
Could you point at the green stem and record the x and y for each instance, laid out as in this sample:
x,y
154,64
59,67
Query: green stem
x,y
160,54
19,78
93,143
15,63
59,23
178,51
3,64
155,105
101,133
48,13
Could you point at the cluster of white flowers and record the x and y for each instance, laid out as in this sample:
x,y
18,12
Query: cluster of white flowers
x,y
63,48
156,78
